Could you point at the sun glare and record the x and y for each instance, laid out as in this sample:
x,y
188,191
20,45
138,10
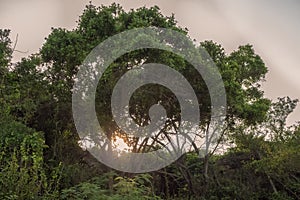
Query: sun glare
x,y
120,145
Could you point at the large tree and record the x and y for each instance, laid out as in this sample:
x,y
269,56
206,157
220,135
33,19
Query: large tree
x,y
64,51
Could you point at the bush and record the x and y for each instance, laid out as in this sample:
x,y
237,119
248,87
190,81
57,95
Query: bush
x,y
23,174
137,188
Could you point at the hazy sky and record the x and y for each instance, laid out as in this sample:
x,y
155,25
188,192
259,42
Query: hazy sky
x,y
271,26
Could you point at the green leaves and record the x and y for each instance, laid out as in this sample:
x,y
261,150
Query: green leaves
x,y
23,173
5,51
37,131
138,187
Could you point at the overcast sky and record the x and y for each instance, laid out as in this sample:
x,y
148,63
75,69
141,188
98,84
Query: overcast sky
x,y
271,26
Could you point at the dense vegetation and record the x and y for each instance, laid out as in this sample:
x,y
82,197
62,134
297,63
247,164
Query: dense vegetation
x,y
40,157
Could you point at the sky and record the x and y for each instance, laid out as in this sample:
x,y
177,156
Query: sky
x,y
271,26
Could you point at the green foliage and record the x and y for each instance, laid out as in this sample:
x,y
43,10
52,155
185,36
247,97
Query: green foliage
x,y
23,174
138,187
5,51
39,153
84,191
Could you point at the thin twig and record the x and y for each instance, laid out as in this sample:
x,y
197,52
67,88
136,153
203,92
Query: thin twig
x,y
15,45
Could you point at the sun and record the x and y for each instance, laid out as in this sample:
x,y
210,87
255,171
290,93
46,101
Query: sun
x,y
120,145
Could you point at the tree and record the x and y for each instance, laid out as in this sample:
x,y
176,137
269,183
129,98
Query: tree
x,y
65,50
5,57
273,145
5,50
23,172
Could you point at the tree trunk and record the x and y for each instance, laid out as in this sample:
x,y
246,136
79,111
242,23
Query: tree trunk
x,y
206,162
